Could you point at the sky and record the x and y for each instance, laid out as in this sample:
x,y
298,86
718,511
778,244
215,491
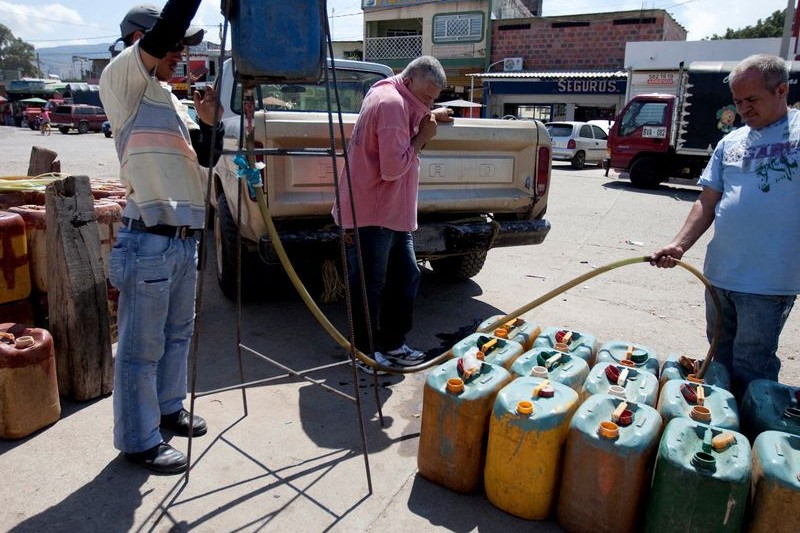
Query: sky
x,y
48,23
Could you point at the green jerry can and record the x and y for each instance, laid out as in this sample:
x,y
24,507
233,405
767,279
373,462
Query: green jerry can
x,y
553,364
682,367
608,465
579,344
624,382
455,420
701,480
527,430
706,404
769,405
497,351
775,488
516,329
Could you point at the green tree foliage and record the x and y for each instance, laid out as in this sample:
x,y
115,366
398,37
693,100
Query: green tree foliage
x,y
16,54
772,26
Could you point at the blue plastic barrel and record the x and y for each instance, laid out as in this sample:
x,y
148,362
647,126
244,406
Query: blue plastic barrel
x,y
550,363
497,351
629,354
769,405
680,367
278,41
579,344
680,398
629,383
775,487
516,329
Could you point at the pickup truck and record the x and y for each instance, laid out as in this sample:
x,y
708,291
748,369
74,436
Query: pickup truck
x,y
483,182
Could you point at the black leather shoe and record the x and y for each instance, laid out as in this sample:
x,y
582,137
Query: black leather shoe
x,y
162,458
178,423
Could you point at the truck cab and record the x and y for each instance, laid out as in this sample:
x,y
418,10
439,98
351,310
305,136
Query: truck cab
x,y
640,138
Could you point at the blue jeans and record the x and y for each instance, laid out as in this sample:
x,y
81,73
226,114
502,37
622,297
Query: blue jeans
x,y
156,279
392,278
748,341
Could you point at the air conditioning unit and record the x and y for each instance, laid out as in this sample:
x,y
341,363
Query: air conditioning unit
x,y
512,64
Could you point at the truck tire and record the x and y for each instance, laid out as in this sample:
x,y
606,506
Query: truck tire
x,y
459,267
579,160
225,246
63,129
83,127
646,174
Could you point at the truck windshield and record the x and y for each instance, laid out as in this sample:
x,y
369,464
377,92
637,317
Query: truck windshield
x,y
643,114
352,86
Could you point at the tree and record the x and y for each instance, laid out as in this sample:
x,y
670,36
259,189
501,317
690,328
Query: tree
x,y
16,54
772,26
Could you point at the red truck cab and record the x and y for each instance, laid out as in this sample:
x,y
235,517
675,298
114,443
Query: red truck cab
x,y
641,138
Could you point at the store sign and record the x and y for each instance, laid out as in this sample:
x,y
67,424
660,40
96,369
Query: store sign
x,y
560,86
587,86
397,3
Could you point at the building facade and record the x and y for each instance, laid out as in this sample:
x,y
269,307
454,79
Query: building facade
x,y
566,68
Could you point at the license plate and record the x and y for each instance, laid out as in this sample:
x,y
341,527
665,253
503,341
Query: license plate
x,y
654,132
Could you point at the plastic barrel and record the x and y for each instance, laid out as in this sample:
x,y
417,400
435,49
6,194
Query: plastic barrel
x,y
550,363
629,354
528,427
608,465
517,329
455,420
634,385
769,405
497,351
579,344
36,233
15,276
706,404
682,367
701,480
775,487
295,32
28,384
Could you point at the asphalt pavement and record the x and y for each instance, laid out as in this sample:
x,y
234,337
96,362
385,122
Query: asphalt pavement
x,y
286,455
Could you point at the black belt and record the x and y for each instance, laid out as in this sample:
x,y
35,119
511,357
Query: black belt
x,y
174,232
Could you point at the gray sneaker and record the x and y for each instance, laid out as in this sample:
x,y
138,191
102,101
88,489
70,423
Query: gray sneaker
x,y
402,356
371,370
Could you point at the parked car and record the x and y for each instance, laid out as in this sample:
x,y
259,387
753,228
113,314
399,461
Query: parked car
x,y
81,117
604,125
577,142
189,104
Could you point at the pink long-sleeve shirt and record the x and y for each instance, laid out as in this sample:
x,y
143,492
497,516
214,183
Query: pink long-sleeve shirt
x,y
384,167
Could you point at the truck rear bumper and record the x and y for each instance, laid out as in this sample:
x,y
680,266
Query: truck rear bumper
x,y
438,238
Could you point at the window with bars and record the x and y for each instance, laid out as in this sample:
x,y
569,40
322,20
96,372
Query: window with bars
x,y
458,27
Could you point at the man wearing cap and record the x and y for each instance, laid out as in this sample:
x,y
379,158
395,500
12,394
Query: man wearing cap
x,y
153,263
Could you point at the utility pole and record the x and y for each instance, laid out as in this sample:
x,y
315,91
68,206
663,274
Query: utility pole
x,y
787,30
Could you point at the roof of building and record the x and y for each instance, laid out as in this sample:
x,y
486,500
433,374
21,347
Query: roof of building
x,y
551,74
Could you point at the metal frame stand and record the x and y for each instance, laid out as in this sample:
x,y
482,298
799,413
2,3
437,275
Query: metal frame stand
x,y
241,347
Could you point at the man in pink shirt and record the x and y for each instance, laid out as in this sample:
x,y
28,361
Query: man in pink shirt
x,y
393,126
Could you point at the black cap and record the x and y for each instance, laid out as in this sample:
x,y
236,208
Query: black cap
x,y
142,17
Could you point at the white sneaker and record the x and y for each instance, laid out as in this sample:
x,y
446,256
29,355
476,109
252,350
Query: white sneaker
x,y
402,356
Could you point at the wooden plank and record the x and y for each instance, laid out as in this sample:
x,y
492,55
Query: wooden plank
x,y
77,296
43,161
